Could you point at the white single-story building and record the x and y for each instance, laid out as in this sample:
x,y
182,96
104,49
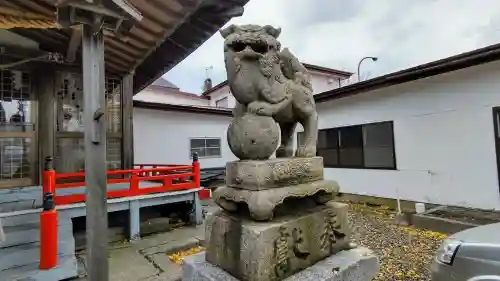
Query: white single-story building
x,y
170,124
430,133
169,133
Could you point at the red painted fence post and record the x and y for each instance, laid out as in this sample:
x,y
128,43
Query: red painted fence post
x,y
48,220
134,183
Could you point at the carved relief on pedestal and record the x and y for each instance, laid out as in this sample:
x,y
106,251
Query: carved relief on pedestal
x,y
273,173
285,245
281,253
272,251
332,231
300,245
296,171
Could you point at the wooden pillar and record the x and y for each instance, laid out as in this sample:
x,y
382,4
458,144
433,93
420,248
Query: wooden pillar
x,y
127,121
46,114
94,106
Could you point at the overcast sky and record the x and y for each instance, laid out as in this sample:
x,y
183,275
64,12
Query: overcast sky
x,y
338,33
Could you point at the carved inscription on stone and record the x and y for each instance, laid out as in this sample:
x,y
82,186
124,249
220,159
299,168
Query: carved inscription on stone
x,y
269,174
281,249
332,231
295,171
246,174
300,247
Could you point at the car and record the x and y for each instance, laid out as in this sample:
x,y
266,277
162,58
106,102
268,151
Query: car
x,y
469,255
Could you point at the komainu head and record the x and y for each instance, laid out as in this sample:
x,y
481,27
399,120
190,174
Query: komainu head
x,y
251,42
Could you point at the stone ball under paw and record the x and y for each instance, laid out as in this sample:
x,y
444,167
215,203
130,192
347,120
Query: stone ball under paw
x,y
253,137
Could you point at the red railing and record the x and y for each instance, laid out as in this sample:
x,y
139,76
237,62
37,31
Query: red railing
x,y
167,177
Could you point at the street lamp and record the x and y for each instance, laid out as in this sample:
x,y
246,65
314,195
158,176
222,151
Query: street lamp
x,y
359,64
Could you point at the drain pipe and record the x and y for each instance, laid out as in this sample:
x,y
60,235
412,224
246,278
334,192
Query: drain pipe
x,y
399,205
398,200
2,234
400,217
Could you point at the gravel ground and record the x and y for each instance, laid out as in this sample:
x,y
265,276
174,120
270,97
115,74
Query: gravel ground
x,y
405,253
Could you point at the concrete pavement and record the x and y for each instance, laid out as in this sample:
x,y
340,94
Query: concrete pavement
x,y
147,259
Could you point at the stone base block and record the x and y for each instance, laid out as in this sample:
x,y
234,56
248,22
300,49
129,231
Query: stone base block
x,y
262,203
273,173
358,264
266,251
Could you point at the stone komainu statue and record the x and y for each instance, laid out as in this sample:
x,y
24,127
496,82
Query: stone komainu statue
x,y
268,81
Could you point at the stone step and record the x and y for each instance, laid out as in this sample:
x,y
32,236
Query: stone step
x,y
67,268
17,205
20,194
20,234
30,253
14,220
29,233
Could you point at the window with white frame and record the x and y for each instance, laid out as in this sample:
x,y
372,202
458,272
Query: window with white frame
x,y
206,147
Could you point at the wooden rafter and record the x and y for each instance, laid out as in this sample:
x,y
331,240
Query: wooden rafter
x,y
12,18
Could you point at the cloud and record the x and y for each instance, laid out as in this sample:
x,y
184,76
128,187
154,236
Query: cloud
x,y
338,33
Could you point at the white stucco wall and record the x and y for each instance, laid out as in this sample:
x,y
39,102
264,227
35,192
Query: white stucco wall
x,y
443,131
444,138
162,137
322,83
221,93
169,98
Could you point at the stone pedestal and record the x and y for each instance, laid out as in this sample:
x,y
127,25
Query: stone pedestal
x,y
279,222
273,173
358,264
264,185
266,251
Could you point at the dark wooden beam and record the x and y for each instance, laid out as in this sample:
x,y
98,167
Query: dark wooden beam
x,y
166,9
117,61
119,53
129,9
20,52
122,47
45,87
33,6
74,44
113,68
46,43
137,42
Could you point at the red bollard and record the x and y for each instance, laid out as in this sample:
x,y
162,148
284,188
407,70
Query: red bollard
x,y
196,170
49,177
48,233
